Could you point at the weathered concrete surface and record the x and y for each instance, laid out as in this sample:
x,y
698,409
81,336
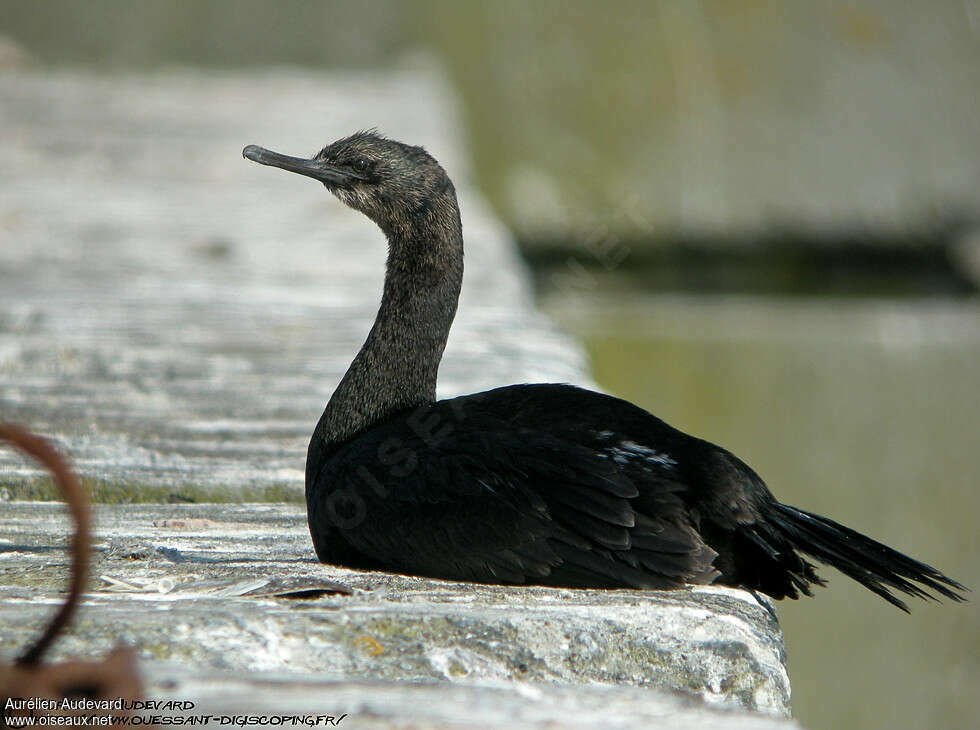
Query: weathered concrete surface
x,y
177,317
189,584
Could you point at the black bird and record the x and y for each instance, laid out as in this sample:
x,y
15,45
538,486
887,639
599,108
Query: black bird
x,y
547,484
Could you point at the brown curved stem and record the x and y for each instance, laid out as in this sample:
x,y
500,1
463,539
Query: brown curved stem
x,y
42,451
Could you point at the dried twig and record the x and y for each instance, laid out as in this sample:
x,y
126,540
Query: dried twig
x,y
71,488
114,677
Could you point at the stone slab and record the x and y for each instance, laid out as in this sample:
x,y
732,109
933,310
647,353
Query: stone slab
x,y
189,584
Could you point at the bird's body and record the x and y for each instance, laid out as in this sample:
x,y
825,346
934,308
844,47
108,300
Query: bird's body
x,y
502,487
547,484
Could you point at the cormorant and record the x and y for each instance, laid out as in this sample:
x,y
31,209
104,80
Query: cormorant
x,y
547,484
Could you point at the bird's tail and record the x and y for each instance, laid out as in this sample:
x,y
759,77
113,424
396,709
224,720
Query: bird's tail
x,y
873,565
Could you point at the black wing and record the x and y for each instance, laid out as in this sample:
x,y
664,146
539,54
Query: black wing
x,y
455,491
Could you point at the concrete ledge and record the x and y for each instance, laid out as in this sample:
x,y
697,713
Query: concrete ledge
x,y
192,585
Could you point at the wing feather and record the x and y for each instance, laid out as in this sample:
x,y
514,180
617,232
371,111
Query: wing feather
x,y
498,502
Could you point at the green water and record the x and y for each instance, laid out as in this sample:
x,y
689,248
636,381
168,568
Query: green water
x,y
865,411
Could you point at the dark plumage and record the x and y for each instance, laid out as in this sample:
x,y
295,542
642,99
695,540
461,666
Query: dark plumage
x,y
547,484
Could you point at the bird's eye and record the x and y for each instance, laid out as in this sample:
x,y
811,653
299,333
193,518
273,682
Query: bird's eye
x,y
360,164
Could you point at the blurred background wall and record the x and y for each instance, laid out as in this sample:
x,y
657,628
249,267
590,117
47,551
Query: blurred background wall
x,y
763,220
706,119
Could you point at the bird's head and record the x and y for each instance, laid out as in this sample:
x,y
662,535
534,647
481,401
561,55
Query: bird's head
x,y
398,186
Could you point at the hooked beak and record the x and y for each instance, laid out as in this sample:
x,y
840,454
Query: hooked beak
x,y
329,175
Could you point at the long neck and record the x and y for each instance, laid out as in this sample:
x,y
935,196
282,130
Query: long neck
x,y
397,366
